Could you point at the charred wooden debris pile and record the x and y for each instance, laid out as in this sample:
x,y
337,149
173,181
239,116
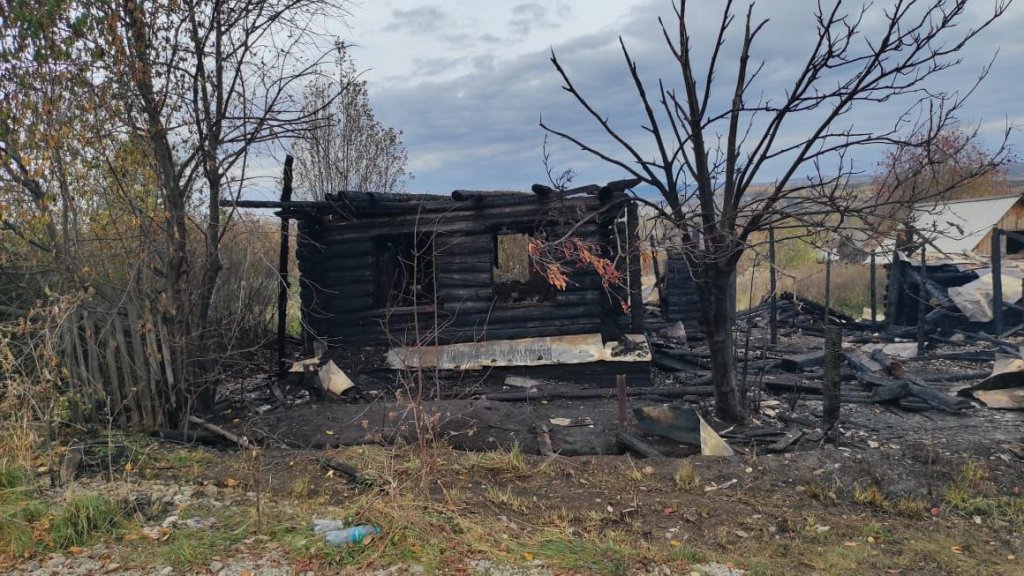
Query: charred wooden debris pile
x,y
786,382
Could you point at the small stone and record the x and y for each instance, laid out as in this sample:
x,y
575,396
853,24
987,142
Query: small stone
x,y
112,567
216,567
166,571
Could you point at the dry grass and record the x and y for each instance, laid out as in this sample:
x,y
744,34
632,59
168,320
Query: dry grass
x,y
802,272
686,478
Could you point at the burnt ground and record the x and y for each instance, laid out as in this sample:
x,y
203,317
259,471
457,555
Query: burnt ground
x,y
903,492
382,412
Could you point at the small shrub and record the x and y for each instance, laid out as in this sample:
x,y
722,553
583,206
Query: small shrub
x,y
911,507
973,475
686,477
870,496
821,492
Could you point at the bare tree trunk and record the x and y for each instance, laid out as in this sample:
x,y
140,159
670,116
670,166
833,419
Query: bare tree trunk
x,y
206,385
718,300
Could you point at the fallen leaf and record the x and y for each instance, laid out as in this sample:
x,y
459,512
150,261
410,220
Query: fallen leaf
x,y
957,549
230,482
329,432
527,556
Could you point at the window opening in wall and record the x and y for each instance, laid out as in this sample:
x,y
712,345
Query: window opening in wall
x,y
404,274
515,279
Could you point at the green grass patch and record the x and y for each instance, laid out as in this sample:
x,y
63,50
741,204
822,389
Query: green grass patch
x,y
83,518
606,554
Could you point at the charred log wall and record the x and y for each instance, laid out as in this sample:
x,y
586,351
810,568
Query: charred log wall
x,y
340,266
681,301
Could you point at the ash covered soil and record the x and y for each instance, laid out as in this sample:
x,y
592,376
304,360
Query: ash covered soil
x,y
455,488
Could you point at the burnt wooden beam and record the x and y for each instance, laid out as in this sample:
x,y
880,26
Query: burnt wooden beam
x,y
282,266
470,195
597,393
636,445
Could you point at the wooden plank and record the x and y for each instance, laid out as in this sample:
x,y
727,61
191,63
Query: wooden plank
x,y
141,367
802,362
119,405
131,392
598,393
786,441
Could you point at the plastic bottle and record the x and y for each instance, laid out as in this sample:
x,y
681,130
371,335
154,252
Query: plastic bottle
x,y
353,535
321,526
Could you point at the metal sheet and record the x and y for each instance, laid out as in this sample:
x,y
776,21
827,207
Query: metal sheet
x,y
1010,399
546,351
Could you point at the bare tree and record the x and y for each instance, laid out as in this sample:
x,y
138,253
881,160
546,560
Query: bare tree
x,y
710,149
349,149
211,83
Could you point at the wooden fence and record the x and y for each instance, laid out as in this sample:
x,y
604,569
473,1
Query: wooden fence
x,y
121,367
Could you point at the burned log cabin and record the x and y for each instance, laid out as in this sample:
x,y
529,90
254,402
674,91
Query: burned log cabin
x,y
443,274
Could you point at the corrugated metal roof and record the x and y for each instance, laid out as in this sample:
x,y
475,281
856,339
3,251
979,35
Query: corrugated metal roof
x,y
955,227
958,226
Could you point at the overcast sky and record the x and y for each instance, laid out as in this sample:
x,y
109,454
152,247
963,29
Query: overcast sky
x,y
467,81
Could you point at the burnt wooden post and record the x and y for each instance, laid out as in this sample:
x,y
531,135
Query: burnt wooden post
x,y
830,388
874,290
636,291
773,298
620,393
282,265
828,288
922,300
997,282
893,287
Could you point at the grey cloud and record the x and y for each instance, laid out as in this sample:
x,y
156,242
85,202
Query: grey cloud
x,y
468,40
480,129
433,66
422,20
434,21
530,16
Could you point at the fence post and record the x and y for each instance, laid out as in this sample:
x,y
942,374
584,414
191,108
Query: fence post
x,y
922,300
874,289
